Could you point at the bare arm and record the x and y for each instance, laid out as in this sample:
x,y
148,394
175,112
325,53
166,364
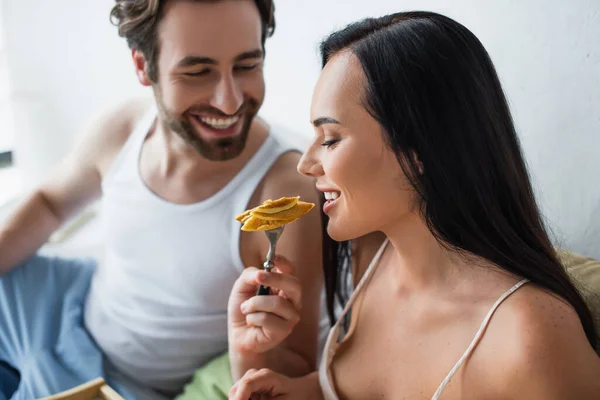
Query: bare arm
x,y
72,185
301,244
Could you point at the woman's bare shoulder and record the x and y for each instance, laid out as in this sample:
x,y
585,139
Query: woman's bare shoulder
x,y
539,348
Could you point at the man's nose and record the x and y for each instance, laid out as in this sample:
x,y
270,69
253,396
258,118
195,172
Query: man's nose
x,y
228,96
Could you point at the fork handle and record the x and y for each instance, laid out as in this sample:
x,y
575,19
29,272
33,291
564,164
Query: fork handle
x,y
267,266
263,291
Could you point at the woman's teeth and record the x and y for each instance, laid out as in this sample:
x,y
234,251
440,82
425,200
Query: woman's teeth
x,y
331,195
220,123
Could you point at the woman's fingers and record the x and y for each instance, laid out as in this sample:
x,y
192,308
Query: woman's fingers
x,y
276,305
252,277
272,326
255,382
289,284
284,265
248,278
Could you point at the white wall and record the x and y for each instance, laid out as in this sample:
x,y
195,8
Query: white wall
x,y
68,61
6,137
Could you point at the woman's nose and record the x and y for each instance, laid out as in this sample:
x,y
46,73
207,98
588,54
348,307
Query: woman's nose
x,y
309,165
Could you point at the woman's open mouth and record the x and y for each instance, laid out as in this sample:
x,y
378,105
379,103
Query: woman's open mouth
x,y
331,199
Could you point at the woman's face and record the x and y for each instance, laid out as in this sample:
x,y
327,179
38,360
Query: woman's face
x,y
360,176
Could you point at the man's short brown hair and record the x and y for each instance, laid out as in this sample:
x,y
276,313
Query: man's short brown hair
x,y
137,21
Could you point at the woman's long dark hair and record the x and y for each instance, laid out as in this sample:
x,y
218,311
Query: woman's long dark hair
x,y
432,87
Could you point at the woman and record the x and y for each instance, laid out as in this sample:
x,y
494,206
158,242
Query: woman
x,y
466,297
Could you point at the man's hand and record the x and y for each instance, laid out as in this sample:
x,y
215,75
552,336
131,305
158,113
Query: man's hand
x,y
258,324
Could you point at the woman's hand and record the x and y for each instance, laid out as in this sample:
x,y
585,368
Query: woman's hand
x,y
265,384
257,324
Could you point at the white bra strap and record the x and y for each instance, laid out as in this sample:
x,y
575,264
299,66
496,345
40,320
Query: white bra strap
x,y
477,338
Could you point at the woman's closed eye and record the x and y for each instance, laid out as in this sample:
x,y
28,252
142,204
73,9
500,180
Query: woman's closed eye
x,y
330,143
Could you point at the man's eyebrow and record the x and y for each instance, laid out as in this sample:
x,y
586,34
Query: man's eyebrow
x,y
249,55
324,120
190,61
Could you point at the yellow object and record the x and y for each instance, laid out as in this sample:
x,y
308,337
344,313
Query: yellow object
x,y
273,213
92,390
276,206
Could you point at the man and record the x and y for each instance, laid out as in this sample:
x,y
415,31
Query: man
x,y
172,173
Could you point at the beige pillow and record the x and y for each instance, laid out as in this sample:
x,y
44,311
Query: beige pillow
x,y
585,273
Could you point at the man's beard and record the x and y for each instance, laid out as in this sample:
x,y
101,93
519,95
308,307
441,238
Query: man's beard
x,y
215,150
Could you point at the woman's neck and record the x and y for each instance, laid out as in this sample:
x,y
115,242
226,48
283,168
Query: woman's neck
x,y
420,261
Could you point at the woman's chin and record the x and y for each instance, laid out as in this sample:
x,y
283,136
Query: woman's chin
x,y
339,234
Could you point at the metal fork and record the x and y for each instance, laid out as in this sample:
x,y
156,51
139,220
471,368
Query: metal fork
x,y
273,236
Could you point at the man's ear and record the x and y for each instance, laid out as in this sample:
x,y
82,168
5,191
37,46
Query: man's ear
x,y
141,67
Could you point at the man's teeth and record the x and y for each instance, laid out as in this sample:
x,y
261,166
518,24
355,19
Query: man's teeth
x,y
331,195
220,123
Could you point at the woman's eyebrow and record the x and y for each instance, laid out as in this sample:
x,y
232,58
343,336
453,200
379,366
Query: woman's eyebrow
x,y
324,120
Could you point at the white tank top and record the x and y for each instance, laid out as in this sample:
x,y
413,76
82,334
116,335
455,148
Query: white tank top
x,y
158,302
331,345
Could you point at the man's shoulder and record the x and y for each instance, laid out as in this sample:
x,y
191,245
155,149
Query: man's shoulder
x,y
286,164
116,123
108,131
283,179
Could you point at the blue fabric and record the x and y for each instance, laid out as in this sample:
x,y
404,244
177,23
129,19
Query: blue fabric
x,y
9,380
41,328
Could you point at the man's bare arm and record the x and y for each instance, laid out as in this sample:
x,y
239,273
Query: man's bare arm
x,y
72,185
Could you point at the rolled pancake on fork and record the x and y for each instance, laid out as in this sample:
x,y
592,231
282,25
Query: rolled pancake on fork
x,y
293,213
273,213
270,207
276,206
